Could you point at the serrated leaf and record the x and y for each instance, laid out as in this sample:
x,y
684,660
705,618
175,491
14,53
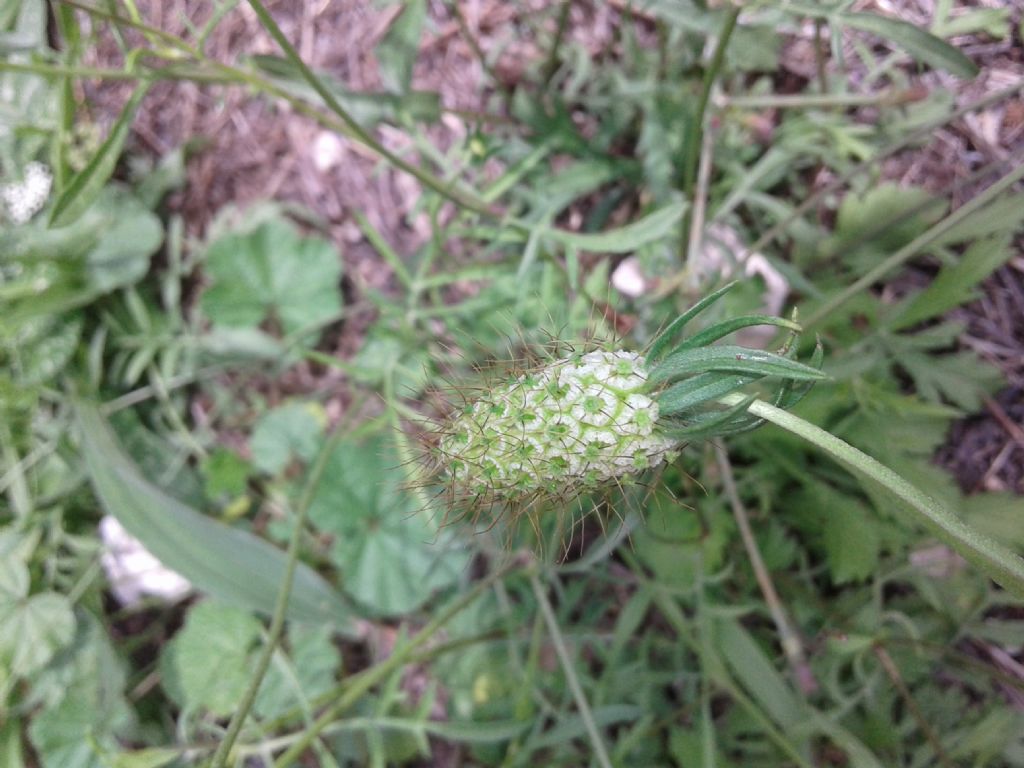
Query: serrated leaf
x,y
232,565
84,187
678,544
919,43
272,272
398,49
850,537
84,707
961,378
32,628
211,656
955,284
649,229
1001,216
998,515
883,218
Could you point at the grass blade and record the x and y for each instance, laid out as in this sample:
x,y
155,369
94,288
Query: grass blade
x,y
87,183
651,227
920,44
732,359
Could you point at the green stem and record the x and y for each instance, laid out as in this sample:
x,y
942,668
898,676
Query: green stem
x,y
696,126
1001,564
916,245
790,641
890,97
277,622
357,131
471,41
551,64
366,680
600,753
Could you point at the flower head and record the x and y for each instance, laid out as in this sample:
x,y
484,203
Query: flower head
x,y
577,422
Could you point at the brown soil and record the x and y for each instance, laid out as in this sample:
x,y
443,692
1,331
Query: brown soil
x,y
252,148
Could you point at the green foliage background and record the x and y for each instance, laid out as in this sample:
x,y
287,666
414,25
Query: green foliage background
x,y
640,635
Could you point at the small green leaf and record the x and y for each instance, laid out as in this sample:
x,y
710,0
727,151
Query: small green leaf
x,y
211,656
272,271
720,330
32,629
391,560
649,229
664,339
87,183
697,390
155,757
84,707
757,674
883,218
233,565
225,473
1002,216
919,43
286,432
850,537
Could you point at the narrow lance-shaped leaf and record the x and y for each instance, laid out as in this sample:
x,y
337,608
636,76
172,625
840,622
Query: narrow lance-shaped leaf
x,y
87,183
720,330
919,43
231,564
652,227
697,390
732,359
664,339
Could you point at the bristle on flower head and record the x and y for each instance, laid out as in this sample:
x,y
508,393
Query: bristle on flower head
x,y
579,422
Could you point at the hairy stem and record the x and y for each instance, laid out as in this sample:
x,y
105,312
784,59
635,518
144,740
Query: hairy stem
x,y
998,562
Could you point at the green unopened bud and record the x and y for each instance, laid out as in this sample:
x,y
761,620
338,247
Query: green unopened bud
x,y
579,422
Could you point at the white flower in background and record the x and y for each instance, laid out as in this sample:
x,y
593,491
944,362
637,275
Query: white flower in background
x,y
132,571
24,199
